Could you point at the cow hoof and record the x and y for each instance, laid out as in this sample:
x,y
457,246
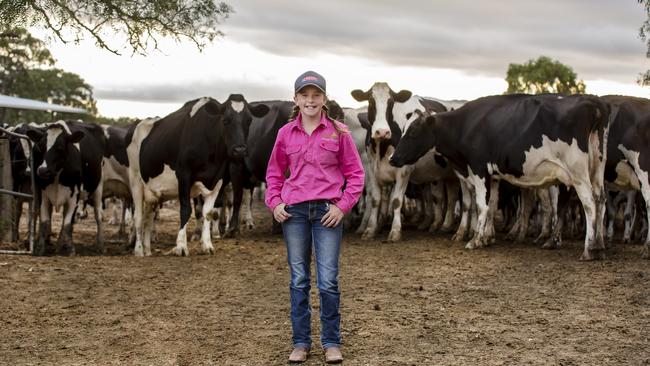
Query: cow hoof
x,y
207,249
395,235
551,244
470,245
368,235
138,252
590,255
181,252
458,237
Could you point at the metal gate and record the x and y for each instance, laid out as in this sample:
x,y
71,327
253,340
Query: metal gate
x,y
31,223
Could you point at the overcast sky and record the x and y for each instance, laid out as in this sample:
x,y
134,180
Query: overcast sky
x,y
443,49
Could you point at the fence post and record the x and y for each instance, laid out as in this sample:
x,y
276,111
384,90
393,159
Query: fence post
x,y
6,201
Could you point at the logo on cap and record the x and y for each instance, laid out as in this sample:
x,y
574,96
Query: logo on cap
x,y
310,78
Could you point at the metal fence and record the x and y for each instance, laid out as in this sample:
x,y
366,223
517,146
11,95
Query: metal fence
x,y
31,224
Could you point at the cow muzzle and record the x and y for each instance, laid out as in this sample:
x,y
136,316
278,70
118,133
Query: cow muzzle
x,y
381,134
239,151
44,172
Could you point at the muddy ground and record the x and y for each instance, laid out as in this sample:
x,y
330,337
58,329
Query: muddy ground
x,y
423,301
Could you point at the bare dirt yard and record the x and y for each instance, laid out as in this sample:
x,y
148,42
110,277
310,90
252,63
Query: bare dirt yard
x,y
422,301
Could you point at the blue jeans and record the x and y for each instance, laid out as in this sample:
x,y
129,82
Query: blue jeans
x,y
301,231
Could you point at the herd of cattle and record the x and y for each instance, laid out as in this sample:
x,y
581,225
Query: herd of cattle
x,y
500,162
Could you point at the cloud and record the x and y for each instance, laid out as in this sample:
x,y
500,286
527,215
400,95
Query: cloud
x,y
597,38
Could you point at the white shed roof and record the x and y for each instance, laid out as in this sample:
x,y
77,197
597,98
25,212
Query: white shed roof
x,y
22,103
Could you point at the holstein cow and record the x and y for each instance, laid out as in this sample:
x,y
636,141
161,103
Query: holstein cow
x,y
183,155
527,140
387,117
115,169
21,172
69,170
628,152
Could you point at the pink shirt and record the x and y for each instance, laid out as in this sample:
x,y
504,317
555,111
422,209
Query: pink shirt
x,y
319,165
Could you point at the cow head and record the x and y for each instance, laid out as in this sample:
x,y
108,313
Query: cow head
x,y
417,140
381,99
237,118
58,145
334,110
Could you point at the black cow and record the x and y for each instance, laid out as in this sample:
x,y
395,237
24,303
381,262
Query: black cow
x,y
526,140
628,150
69,159
182,155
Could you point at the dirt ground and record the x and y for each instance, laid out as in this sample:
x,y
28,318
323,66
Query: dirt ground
x,y
422,301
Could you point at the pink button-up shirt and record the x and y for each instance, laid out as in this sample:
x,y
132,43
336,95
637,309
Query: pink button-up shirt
x,y
320,165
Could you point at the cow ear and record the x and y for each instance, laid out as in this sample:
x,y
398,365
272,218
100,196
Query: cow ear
x,y
214,107
259,110
35,135
402,96
363,119
76,136
359,95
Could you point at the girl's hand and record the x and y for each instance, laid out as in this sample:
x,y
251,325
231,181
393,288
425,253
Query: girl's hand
x,y
333,217
279,213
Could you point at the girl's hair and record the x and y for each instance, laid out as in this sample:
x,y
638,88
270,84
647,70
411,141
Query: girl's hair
x,y
296,110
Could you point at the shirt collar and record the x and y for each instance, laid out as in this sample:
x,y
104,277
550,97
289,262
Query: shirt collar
x,y
297,123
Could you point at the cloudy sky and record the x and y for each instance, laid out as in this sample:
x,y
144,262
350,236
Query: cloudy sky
x,y
443,49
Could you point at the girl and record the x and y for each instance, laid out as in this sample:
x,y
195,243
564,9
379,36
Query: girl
x,y
324,181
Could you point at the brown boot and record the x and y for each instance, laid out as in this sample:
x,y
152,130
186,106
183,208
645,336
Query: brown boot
x,y
299,354
333,355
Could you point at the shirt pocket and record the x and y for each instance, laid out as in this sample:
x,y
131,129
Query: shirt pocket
x,y
294,154
328,152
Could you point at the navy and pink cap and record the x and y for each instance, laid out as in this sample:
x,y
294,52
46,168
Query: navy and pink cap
x,y
309,78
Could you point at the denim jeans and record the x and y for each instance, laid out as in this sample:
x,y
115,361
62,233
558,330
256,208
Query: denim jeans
x,y
302,231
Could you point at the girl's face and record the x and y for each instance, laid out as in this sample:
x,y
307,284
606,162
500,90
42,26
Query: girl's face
x,y
310,100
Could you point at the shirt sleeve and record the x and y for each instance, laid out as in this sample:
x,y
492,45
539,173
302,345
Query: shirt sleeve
x,y
278,164
352,170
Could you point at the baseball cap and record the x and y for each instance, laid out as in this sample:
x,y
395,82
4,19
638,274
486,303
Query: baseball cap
x,y
309,78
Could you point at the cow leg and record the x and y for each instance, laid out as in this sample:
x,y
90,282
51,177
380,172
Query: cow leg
x,y
611,216
397,199
97,209
198,216
438,200
419,214
366,211
492,208
64,242
386,193
44,228
206,238
514,230
138,217
149,217
630,215
592,248
216,222
480,194
451,190
184,188
466,196
18,209
247,203
227,209
373,206
546,212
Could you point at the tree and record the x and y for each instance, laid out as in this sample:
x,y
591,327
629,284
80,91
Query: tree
x,y
644,31
543,75
26,71
141,21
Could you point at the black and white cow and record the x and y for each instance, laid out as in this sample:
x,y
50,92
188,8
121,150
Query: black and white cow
x,y
388,114
183,155
21,172
115,169
529,141
69,161
628,152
